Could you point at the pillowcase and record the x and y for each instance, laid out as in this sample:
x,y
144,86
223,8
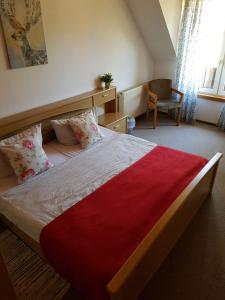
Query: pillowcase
x,y
63,132
86,129
25,153
5,167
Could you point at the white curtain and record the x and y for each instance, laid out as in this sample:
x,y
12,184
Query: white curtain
x,y
187,70
221,121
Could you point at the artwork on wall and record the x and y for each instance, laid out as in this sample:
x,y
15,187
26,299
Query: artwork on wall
x,y
24,34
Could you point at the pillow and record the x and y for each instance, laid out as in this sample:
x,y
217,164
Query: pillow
x,y
63,132
25,153
5,167
86,129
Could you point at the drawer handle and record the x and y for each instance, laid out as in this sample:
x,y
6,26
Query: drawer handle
x,y
105,95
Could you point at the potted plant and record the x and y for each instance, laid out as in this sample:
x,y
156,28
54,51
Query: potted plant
x,y
107,79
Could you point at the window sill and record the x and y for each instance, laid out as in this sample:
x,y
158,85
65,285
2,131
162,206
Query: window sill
x,y
212,97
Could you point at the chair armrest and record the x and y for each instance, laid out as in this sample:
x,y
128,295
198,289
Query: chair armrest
x,y
179,93
153,97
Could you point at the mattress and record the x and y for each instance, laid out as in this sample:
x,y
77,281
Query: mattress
x,y
34,204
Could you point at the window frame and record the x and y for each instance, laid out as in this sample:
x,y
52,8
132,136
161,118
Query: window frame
x,y
219,83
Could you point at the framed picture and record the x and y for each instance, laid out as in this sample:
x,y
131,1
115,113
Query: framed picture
x,y
24,34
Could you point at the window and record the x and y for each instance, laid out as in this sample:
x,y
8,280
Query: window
x,y
212,49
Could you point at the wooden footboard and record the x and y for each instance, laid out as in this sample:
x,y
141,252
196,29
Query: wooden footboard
x,y
149,255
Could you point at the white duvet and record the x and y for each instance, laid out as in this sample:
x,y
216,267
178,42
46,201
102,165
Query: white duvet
x,y
34,204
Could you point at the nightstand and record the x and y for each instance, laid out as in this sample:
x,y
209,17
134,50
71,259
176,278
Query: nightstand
x,y
114,121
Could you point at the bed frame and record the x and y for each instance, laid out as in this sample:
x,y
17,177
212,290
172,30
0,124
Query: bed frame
x,y
140,267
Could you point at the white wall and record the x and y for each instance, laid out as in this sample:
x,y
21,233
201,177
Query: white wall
x,y
172,12
172,9
208,111
165,69
84,39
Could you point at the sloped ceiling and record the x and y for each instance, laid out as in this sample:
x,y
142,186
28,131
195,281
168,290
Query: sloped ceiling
x,y
150,17
172,11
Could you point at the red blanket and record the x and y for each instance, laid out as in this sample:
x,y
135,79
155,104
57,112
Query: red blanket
x,y
90,241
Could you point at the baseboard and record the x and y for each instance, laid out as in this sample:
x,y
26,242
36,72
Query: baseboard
x,y
205,122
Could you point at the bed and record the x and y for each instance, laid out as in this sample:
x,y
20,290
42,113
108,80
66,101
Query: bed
x,y
49,198
28,222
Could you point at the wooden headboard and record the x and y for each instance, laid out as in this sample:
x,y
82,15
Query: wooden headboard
x,y
60,109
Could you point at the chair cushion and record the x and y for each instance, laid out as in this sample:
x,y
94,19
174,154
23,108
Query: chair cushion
x,y
168,103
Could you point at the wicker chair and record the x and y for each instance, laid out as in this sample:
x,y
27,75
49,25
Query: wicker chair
x,y
160,97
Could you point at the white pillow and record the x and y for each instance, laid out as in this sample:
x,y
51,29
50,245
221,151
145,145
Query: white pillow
x,y
63,132
86,129
25,153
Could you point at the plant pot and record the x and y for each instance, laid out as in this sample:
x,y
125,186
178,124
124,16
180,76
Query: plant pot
x,y
107,85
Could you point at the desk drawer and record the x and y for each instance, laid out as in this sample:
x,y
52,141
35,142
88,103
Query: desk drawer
x,y
119,126
104,97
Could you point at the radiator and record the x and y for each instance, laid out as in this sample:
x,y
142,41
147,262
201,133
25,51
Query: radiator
x,y
132,102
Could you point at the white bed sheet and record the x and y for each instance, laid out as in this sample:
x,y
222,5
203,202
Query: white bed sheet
x,y
37,202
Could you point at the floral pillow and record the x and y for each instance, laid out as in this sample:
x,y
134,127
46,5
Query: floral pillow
x,y
25,153
86,129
